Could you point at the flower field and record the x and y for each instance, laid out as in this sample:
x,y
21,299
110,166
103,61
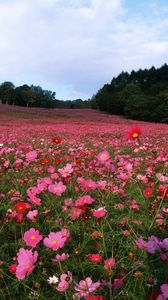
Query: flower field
x,y
84,206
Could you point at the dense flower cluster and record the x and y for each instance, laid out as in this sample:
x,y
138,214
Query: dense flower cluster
x,y
84,206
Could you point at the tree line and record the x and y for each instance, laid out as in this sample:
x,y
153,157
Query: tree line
x,y
35,96
140,95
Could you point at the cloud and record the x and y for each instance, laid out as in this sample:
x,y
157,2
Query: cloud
x,y
75,46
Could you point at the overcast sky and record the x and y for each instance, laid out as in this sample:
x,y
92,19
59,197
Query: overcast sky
x,y
74,47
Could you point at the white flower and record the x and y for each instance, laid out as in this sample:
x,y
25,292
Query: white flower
x,y
101,208
53,280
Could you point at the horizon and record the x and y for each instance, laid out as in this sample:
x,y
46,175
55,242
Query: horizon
x,y
76,47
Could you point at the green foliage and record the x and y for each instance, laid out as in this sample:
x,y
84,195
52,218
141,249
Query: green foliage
x,y
35,96
140,95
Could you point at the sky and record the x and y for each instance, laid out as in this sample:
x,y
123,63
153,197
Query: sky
x,y
74,47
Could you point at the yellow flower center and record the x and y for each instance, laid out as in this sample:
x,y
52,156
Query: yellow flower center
x,y
84,287
33,237
135,135
104,156
54,242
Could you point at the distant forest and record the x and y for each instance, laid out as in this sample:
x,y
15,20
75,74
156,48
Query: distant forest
x,y
35,96
140,95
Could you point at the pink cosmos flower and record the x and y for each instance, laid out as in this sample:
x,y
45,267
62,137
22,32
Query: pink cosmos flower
x,y
164,290
32,214
103,156
32,237
88,185
57,188
134,205
151,246
26,261
100,212
54,241
66,171
65,281
51,169
66,277
101,184
118,283
41,187
65,234
61,257
6,163
109,263
18,162
87,286
62,286
109,164
84,200
35,200
75,213
31,156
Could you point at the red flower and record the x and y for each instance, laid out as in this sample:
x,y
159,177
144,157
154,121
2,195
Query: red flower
x,y
41,171
148,192
45,161
56,140
153,295
134,133
19,218
12,268
66,180
20,207
58,161
96,258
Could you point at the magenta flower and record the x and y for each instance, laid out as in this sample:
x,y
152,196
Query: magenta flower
x,y
57,188
32,237
118,283
26,260
87,286
164,290
151,246
164,244
55,241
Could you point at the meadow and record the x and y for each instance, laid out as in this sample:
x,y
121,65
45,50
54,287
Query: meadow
x,y
84,206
